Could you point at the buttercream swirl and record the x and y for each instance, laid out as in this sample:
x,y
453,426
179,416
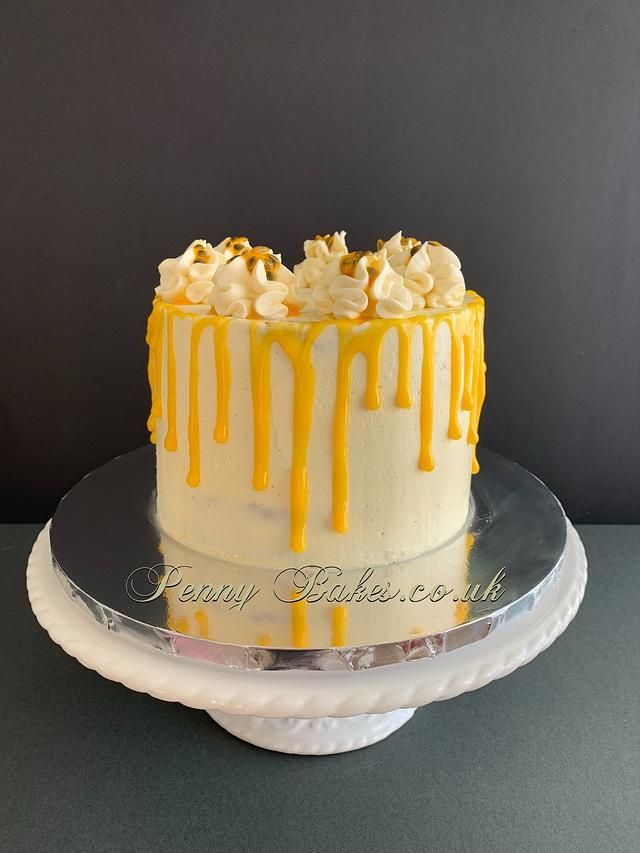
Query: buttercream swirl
x,y
430,271
319,254
234,279
361,282
448,282
253,283
188,279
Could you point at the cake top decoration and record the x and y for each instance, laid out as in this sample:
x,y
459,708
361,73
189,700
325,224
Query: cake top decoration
x,y
402,277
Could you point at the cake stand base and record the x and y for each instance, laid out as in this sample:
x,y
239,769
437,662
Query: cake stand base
x,y
320,736
305,712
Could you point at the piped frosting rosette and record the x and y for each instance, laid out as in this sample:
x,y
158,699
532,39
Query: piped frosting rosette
x,y
188,279
430,271
319,254
362,283
255,283
234,279
402,277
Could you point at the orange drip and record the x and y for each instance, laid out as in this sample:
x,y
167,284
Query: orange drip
x,y
467,344
261,392
170,439
223,378
426,461
193,424
353,339
154,340
296,341
403,389
467,389
455,431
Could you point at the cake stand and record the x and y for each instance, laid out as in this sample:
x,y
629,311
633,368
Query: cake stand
x,y
305,700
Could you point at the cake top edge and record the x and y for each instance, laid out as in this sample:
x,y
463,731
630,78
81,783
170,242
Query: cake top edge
x,y
404,276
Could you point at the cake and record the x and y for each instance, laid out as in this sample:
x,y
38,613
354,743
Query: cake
x,y
325,414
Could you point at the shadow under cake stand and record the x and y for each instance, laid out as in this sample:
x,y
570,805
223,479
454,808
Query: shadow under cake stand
x,y
304,700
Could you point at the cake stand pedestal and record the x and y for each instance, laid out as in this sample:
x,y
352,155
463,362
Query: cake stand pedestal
x,y
298,711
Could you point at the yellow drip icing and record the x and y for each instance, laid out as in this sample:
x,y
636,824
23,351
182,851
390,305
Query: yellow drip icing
x,y
304,384
403,389
154,339
353,340
223,379
467,346
158,366
478,406
477,385
339,625
340,476
193,424
472,436
171,439
455,431
372,352
296,341
426,461
151,368
260,365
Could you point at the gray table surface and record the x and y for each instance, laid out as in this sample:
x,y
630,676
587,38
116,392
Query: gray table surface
x,y
547,759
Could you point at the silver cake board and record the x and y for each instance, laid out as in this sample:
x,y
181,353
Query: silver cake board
x,y
110,557
298,711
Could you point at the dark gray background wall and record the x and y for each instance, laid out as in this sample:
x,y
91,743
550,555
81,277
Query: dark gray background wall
x,y
506,130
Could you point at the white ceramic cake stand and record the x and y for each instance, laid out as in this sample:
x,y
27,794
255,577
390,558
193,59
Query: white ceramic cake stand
x,y
314,713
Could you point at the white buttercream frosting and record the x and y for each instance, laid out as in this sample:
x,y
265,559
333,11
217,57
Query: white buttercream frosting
x,y
234,279
319,254
327,246
410,258
356,281
254,283
403,276
188,279
448,282
230,247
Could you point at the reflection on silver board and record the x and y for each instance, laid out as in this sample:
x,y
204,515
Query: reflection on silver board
x,y
113,560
